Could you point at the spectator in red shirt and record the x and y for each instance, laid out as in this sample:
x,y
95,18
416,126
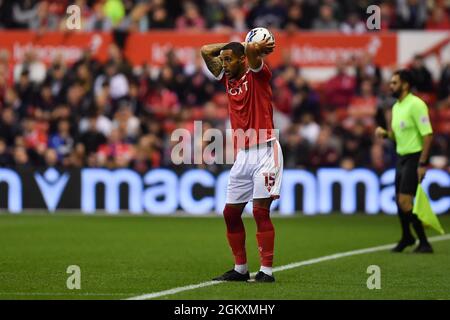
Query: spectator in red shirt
x,y
438,20
340,88
387,16
35,135
115,153
362,107
282,96
6,71
191,18
162,102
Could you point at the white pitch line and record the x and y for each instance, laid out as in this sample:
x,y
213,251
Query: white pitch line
x,y
60,294
281,268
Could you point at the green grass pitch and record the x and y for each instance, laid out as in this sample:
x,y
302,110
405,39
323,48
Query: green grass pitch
x,y
125,256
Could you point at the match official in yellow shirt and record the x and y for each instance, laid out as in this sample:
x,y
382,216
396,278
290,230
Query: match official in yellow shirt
x,y
412,132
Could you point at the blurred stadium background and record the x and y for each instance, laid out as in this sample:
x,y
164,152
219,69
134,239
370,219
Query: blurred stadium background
x,y
86,118
109,95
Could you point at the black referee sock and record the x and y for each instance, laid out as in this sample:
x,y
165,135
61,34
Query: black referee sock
x,y
418,227
404,221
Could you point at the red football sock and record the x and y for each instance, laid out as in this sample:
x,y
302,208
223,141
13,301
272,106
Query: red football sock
x,y
265,235
235,233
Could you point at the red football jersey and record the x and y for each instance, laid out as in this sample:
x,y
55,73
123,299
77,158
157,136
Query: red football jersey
x,y
250,104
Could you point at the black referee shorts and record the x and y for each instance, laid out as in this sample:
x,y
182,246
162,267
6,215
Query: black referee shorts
x,y
406,179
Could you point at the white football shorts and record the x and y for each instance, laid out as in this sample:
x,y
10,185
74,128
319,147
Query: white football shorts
x,y
256,173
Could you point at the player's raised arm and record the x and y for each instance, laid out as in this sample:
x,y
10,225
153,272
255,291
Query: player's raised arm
x,y
256,50
210,54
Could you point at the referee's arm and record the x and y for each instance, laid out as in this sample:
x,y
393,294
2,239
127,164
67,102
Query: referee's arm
x,y
423,124
383,133
424,156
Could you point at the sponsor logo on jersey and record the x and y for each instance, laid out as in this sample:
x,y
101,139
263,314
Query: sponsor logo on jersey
x,y
239,89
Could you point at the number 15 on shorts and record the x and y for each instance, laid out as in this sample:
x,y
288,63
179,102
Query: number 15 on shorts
x,y
269,180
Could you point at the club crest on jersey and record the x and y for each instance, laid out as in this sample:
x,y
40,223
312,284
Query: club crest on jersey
x,y
402,124
238,90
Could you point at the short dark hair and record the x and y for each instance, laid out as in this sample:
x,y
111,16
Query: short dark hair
x,y
405,75
237,48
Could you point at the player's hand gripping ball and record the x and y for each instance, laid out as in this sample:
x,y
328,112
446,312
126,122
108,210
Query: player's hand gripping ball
x,y
260,35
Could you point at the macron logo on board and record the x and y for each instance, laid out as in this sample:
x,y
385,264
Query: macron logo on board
x,y
52,186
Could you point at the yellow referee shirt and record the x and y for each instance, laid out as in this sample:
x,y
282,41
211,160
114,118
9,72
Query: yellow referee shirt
x,y
410,122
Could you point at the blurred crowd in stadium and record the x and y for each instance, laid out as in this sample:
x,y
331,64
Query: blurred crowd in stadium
x,y
223,15
113,115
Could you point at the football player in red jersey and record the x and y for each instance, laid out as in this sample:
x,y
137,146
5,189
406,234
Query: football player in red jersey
x,y
257,171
